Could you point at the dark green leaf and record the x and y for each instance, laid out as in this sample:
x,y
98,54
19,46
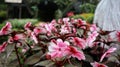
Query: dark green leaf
x,y
34,58
89,58
46,63
113,59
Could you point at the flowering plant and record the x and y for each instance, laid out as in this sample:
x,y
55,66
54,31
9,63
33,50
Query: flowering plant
x,y
64,42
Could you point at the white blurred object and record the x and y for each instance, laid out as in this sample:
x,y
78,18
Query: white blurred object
x,y
107,15
13,1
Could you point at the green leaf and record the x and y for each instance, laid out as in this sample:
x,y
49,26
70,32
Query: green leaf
x,y
13,63
88,58
118,52
80,32
34,58
12,60
46,63
111,64
36,48
5,57
73,63
69,65
113,59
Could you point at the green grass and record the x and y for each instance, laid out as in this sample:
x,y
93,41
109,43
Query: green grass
x,y
19,23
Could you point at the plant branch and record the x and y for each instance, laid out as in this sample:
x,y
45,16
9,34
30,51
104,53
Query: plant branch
x,y
18,56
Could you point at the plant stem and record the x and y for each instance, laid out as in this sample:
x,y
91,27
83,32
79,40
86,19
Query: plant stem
x,y
70,62
30,48
18,56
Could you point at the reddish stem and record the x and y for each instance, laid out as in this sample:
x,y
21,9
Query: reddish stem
x,y
18,56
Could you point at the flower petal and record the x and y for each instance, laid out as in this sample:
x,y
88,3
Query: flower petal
x,y
96,64
109,51
6,29
3,46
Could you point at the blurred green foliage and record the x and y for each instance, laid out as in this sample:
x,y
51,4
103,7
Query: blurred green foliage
x,y
3,13
64,6
77,16
87,8
19,23
3,10
3,6
95,2
90,19
85,16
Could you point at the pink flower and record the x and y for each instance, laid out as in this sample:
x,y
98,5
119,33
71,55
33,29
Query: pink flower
x,y
93,27
50,28
80,22
53,22
107,53
28,32
39,30
33,36
79,42
114,36
73,20
66,20
16,37
6,29
64,30
60,21
74,30
69,14
27,25
96,64
91,38
118,35
3,46
57,48
42,24
67,27
73,52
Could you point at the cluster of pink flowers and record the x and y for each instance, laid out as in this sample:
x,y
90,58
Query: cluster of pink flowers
x,y
58,49
66,38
